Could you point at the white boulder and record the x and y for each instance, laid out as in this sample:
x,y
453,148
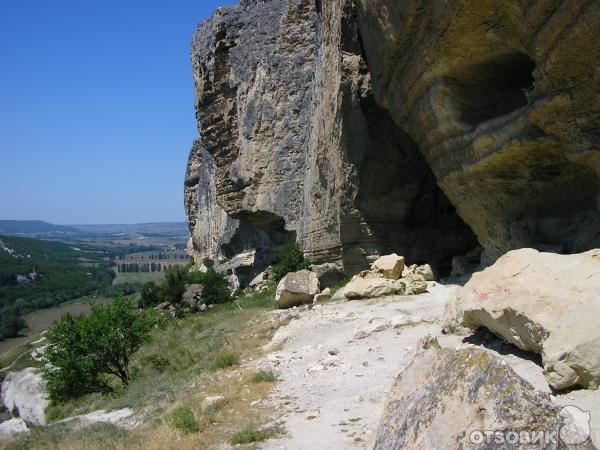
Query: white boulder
x,y
297,288
390,266
360,288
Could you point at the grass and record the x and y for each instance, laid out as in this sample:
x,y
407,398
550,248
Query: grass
x,y
100,435
171,373
264,376
225,360
340,284
252,434
183,419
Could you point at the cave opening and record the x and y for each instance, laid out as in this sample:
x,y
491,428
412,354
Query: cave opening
x,y
401,208
493,88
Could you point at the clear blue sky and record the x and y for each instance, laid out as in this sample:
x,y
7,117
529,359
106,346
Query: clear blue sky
x,y
96,108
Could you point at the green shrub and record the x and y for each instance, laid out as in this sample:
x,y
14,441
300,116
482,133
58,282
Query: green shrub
x,y
252,434
264,376
85,353
224,360
215,286
173,286
182,418
291,260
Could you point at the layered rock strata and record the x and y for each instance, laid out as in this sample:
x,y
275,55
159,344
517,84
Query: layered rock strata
x,y
366,127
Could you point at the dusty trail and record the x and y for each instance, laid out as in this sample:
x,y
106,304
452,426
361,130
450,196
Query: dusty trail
x,y
337,362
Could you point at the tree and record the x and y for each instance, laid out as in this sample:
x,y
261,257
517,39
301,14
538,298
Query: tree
x,y
86,354
11,322
291,260
151,295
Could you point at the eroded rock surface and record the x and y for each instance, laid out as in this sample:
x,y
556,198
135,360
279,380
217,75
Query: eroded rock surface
x,y
447,398
295,146
501,98
366,127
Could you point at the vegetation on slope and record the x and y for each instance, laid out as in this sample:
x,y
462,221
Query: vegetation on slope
x,y
182,363
90,353
62,273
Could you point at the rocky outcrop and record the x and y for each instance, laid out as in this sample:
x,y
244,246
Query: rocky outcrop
x,y
365,127
469,398
299,149
543,303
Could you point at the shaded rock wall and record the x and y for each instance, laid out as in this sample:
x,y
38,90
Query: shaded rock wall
x,y
502,99
373,126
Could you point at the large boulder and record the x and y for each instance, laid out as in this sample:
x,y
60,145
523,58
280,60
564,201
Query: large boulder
x,y
12,427
541,302
469,398
390,266
297,288
360,288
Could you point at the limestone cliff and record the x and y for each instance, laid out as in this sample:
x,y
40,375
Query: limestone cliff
x,y
374,126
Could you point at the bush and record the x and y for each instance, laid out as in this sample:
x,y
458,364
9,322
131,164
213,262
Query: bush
x,y
252,434
183,419
291,260
86,353
174,285
215,286
264,376
225,360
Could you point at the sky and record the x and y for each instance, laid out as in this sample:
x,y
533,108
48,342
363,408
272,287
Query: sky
x,y
96,108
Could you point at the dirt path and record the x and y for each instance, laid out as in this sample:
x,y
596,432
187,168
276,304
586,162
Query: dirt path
x,y
337,362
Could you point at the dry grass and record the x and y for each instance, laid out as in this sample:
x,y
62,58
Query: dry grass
x,y
181,382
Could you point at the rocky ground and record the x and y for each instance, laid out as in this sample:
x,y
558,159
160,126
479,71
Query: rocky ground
x,y
337,362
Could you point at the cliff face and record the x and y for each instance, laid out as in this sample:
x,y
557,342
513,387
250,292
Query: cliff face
x,y
369,126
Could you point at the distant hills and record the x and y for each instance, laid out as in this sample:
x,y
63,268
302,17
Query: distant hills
x,y
44,230
34,227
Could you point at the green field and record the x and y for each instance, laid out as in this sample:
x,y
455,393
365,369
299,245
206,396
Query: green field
x,y
137,277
